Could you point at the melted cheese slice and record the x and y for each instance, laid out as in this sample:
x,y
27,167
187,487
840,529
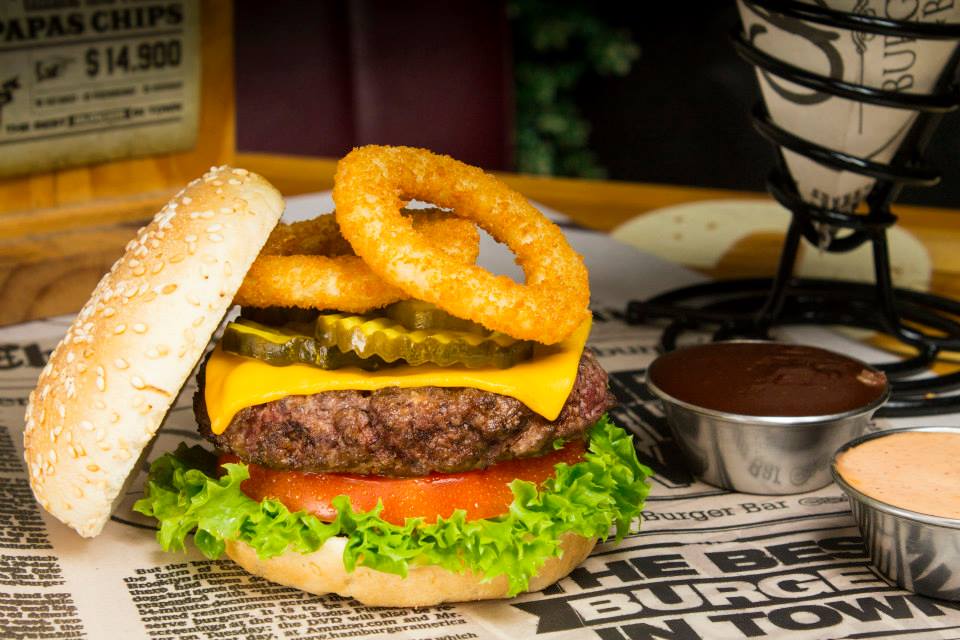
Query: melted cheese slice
x,y
542,383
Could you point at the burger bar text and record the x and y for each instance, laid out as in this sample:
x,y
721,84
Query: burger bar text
x,y
736,590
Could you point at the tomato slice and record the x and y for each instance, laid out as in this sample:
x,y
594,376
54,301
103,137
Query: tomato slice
x,y
482,494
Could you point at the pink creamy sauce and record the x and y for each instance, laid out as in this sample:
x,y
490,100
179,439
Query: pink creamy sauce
x,y
919,471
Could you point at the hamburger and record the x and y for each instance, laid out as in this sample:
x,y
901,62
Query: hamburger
x,y
403,457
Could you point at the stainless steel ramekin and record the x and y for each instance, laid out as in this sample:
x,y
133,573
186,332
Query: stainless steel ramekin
x,y
770,455
917,551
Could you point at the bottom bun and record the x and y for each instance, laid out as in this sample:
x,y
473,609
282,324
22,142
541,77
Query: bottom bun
x,y
323,572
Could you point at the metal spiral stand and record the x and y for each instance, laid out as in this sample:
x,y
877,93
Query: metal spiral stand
x,y
750,307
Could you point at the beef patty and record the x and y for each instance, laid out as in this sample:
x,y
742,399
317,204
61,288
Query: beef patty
x,y
405,432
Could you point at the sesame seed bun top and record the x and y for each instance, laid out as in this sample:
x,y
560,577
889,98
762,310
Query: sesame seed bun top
x,y
110,381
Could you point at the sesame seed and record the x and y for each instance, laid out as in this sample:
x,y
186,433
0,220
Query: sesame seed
x,y
120,328
86,425
140,327
234,181
186,200
152,353
215,237
170,288
241,172
70,357
109,312
214,227
101,385
120,363
137,382
93,468
133,262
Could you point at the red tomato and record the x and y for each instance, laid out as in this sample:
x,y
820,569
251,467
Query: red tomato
x,y
482,494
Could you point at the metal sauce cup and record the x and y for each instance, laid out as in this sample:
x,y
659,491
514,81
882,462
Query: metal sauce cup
x,y
769,455
916,551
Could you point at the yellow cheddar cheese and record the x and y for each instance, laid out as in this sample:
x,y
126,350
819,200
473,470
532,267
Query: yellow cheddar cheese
x,y
542,383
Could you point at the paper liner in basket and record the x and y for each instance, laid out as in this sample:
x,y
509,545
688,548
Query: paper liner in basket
x,y
867,131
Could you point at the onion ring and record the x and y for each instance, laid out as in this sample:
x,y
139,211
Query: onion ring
x,y
318,236
285,274
370,187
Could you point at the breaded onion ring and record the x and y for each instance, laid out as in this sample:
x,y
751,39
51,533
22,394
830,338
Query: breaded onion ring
x,y
285,274
370,186
318,236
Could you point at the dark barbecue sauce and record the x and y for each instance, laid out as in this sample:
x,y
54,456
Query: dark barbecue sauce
x,y
767,379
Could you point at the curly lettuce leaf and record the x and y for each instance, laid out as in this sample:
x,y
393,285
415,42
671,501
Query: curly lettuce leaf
x,y
607,489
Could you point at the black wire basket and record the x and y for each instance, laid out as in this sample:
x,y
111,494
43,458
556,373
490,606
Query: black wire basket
x,y
926,323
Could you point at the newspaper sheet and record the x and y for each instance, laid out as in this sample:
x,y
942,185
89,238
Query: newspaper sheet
x,y
706,564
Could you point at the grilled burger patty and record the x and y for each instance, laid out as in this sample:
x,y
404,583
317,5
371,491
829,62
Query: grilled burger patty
x,y
404,432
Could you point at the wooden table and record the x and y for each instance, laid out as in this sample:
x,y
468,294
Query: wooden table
x,y
50,261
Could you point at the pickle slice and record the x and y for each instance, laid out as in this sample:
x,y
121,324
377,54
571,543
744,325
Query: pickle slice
x,y
420,315
382,337
279,316
280,347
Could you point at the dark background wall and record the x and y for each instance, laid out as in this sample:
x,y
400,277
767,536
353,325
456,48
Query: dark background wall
x,y
318,78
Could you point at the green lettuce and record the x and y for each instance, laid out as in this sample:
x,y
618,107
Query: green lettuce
x,y
608,488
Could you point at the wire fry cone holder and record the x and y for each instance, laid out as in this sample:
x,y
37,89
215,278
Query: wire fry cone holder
x,y
927,324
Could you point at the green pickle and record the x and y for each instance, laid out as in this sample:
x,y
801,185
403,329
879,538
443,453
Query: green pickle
x,y
390,340
281,347
411,332
417,314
